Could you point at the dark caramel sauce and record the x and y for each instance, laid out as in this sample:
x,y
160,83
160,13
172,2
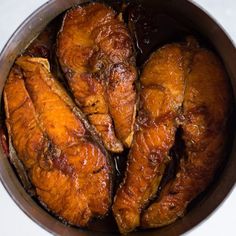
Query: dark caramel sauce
x,y
152,29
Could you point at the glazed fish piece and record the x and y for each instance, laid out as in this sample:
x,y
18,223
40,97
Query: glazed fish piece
x,y
96,54
70,172
206,111
162,92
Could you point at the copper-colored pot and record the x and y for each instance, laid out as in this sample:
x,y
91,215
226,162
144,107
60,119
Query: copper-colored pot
x,y
182,9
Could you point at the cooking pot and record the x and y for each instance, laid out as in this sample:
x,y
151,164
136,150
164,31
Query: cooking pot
x,y
182,10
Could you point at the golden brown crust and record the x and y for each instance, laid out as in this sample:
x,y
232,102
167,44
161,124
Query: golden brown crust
x,y
96,54
162,90
206,110
70,172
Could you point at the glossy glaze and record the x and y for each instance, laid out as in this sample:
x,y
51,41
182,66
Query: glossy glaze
x,y
96,53
71,174
162,93
206,111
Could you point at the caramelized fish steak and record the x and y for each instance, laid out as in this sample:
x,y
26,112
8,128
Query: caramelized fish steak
x,y
206,110
71,174
96,54
162,92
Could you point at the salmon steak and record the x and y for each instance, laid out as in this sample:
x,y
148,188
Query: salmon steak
x,y
180,89
96,54
162,93
71,173
206,110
